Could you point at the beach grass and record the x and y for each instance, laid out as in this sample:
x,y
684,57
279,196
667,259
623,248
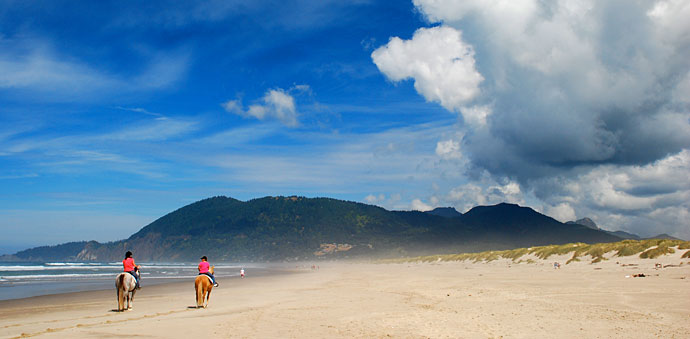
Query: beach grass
x,y
645,249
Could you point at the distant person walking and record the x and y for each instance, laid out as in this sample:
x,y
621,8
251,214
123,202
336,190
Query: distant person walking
x,y
131,268
204,267
242,273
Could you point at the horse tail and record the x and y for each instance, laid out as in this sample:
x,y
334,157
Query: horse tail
x,y
120,284
200,292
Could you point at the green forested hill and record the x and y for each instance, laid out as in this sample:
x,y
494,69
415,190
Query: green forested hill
x,y
275,228
298,228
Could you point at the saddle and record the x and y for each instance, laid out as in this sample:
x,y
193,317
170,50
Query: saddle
x,y
207,276
133,274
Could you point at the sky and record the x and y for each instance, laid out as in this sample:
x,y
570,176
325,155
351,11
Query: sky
x,y
115,113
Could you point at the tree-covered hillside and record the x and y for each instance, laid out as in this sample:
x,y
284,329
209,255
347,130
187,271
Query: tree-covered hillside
x,y
298,228
274,228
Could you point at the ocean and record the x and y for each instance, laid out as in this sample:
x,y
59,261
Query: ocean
x,y
26,279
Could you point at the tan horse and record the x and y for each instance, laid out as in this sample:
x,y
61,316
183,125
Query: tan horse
x,y
126,288
203,287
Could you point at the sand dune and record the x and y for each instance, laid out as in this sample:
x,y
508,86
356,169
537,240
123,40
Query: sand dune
x,y
368,300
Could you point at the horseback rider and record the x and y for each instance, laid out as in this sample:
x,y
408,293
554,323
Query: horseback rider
x,y
131,268
204,269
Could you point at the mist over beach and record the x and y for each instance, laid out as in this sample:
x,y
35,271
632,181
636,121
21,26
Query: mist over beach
x,y
311,169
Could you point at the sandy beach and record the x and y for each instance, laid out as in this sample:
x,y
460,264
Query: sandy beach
x,y
499,299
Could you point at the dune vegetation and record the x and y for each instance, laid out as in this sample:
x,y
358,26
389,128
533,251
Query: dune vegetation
x,y
646,249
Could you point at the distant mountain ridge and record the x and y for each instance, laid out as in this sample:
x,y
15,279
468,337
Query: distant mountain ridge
x,y
625,235
298,228
585,222
448,212
621,234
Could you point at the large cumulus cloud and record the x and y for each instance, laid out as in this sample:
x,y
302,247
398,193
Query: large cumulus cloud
x,y
440,63
576,99
597,78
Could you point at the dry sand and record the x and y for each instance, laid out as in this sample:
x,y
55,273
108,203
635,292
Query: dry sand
x,y
499,299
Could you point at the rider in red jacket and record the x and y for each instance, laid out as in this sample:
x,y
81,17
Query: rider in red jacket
x,y
204,269
131,268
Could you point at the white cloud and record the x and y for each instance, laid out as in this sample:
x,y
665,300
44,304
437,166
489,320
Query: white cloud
x,y
440,62
645,200
276,104
301,89
467,196
583,105
476,115
233,106
658,185
671,18
449,149
561,212
375,199
578,68
418,205
484,192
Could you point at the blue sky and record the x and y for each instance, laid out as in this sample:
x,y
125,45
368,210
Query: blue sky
x,y
115,113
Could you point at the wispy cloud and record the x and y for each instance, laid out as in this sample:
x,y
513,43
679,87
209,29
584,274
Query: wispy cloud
x,y
159,129
36,68
240,136
135,148
339,162
140,110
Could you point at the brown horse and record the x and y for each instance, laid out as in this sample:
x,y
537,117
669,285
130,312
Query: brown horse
x,y
203,286
126,288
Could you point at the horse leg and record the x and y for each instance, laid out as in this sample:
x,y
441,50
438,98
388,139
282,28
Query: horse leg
x,y
208,297
132,298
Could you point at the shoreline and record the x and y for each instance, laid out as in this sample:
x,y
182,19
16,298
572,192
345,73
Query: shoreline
x,y
148,283
364,300
18,289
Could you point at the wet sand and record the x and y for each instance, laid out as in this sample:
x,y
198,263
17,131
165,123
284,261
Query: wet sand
x,y
408,300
